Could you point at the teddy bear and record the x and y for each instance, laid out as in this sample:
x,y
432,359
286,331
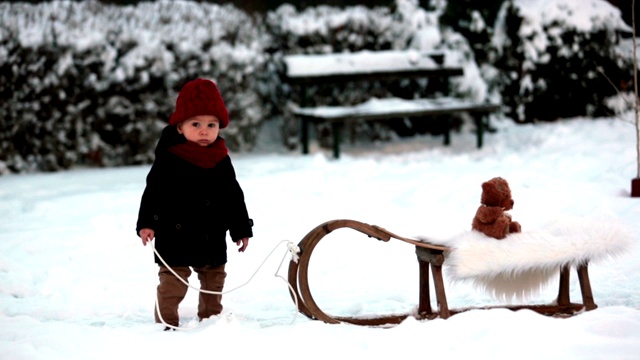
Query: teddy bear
x,y
491,217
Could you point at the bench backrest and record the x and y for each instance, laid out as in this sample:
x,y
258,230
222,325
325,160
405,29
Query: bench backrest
x,y
368,65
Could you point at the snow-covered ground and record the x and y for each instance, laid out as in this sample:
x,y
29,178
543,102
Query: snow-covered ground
x,y
76,282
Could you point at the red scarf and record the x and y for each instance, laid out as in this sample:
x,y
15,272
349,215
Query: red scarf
x,y
202,156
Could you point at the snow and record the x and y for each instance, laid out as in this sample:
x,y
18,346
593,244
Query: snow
x,y
379,107
78,284
361,62
579,14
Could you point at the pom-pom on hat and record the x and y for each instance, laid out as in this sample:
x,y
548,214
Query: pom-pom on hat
x,y
199,97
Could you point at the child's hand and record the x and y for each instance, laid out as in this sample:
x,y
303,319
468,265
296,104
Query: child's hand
x,y
243,243
146,235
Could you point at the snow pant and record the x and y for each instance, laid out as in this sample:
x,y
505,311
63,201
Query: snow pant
x,y
171,291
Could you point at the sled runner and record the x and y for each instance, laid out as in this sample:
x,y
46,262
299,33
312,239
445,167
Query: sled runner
x,y
492,264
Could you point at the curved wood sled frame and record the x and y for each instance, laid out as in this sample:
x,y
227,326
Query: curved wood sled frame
x,y
430,256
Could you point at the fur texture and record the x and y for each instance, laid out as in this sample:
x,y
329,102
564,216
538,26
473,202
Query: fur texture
x,y
525,264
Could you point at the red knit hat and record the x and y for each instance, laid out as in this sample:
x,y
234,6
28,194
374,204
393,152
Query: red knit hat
x,y
199,97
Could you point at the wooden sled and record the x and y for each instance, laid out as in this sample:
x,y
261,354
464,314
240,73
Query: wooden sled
x,y
431,258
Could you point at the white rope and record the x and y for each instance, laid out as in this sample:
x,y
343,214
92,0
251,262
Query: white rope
x,y
292,248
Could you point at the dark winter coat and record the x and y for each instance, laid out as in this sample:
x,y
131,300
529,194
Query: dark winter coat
x,y
191,208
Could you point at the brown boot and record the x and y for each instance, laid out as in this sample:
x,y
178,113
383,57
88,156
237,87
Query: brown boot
x,y
212,279
170,293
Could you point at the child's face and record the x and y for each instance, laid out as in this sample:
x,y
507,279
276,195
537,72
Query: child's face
x,y
202,129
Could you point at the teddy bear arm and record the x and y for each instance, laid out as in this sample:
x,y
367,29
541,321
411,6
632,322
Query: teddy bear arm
x,y
497,230
488,214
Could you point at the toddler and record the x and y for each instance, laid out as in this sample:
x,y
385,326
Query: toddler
x,y
191,200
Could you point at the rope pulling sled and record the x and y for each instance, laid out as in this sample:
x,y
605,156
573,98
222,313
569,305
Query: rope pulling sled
x,y
291,247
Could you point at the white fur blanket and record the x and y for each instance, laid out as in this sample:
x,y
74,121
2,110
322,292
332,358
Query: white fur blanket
x,y
523,263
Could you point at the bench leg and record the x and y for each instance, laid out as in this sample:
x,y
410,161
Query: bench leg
x,y
336,129
481,124
304,135
447,134
304,131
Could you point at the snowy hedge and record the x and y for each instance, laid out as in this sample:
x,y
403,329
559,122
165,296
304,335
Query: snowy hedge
x,y
87,84
84,83
559,59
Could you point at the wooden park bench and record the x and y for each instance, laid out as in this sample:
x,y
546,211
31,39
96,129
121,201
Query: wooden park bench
x,y
303,70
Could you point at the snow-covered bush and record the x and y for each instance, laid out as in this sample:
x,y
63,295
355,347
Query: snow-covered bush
x,y
559,59
474,21
84,83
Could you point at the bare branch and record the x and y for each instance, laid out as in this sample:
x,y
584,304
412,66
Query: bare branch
x,y
636,106
599,69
